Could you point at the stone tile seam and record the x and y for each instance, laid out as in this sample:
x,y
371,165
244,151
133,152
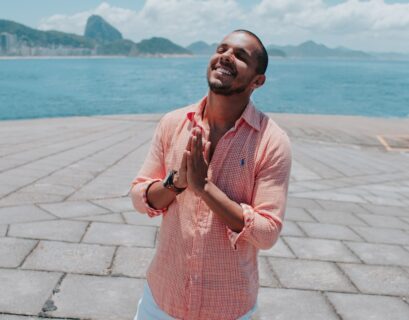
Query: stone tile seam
x,y
109,166
63,151
28,254
273,272
85,231
335,261
325,165
323,180
55,290
62,168
111,265
329,302
35,315
301,229
97,205
288,246
37,205
47,143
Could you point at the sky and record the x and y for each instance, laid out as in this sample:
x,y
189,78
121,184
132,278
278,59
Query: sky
x,y
370,25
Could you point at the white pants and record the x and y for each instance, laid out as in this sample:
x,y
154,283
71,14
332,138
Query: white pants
x,y
149,310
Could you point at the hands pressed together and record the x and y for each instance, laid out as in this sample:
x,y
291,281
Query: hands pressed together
x,y
195,162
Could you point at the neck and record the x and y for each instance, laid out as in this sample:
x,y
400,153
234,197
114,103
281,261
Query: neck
x,y
223,111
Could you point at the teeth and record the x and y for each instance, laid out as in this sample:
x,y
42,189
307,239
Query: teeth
x,y
224,71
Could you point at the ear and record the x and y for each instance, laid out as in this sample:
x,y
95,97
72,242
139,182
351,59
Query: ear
x,y
258,81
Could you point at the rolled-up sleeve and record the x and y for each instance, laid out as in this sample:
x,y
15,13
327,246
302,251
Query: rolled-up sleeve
x,y
263,218
153,170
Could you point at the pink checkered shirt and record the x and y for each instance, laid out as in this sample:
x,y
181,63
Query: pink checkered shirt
x,y
202,269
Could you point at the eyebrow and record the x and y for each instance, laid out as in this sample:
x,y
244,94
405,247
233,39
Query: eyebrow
x,y
241,50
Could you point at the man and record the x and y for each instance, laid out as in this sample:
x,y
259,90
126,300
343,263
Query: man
x,y
218,172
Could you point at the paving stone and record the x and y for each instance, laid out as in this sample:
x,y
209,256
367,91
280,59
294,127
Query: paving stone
x,y
13,251
116,204
280,249
313,275
283,304
3,230
72,209
70,257
27,198
364,307
290,228
378,279
376,220
63,230
383,235
18,214
97,298
341,206
110,217
337,217
266,276
320,249
298,214
294,202
328,231
122,235
133,217
330,195
12,317
132,262
382,254
25,292
387,210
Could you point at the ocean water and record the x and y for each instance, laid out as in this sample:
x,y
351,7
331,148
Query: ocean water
x,y
73,87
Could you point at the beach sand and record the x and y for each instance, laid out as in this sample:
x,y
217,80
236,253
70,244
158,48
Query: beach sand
x,y
71,245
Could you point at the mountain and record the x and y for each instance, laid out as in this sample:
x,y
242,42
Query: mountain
x,y
157,45
310,49
16,32
202,48
100,38
274,52
100,30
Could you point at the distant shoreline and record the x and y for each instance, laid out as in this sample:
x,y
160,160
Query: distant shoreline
x,y
94,57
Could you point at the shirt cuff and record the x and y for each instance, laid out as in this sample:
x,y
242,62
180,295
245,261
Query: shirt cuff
x,y
152,212
248,215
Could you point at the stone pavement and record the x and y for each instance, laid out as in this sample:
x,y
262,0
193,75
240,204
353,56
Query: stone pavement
x,y
72,247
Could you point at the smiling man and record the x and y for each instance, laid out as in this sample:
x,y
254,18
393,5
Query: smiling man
x,y
218,172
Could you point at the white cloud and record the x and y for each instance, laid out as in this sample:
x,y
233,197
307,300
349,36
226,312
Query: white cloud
x,y
370,24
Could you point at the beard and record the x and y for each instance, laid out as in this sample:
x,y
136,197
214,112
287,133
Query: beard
x,y
224,90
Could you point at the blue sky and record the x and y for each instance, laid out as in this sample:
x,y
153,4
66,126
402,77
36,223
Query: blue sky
x,y
372,25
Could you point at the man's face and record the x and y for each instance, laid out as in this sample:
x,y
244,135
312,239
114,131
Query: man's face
x,y
232,69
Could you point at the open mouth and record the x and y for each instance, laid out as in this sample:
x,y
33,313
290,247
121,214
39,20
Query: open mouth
x,y
225,71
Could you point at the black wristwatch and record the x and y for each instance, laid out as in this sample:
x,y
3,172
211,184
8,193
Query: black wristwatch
x,y
168,182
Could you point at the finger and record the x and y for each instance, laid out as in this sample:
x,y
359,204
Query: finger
x,y
192,143
207,151
199,142
189,143
183,165
189,161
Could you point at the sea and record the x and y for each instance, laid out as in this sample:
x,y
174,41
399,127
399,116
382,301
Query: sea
x,y
41,88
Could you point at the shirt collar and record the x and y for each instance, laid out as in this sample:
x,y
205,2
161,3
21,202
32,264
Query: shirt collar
x,y
250,114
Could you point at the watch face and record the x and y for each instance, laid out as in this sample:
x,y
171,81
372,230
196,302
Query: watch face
x,y
169,179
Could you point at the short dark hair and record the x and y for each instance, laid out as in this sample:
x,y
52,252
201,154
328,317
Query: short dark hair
x,y
262,55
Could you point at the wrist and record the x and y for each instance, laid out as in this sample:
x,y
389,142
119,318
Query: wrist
x,y
177,181
204,190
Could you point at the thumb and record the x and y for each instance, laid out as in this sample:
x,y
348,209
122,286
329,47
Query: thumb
x,y
207,151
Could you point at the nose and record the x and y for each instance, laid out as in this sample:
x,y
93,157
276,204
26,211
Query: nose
x,y
227,55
